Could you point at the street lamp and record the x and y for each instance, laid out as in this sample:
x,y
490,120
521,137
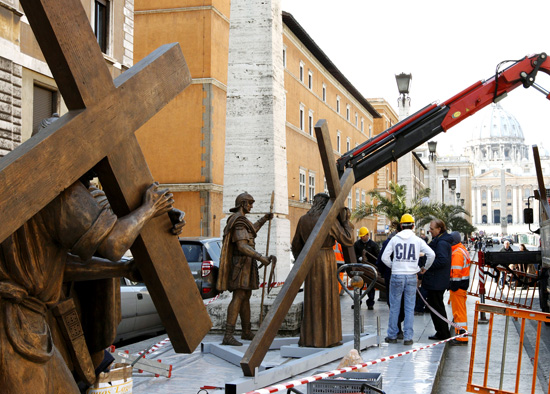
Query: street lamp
x,y
445,173
404,101
453,188
457,196
432,145
462,202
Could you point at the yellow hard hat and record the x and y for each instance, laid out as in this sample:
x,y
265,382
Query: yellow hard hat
x,y
407,218
363,231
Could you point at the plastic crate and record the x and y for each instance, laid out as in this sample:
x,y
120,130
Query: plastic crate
x,y
349,382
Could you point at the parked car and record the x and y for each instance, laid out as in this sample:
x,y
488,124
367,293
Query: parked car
x,y
508,238
496,241
203,256
139,315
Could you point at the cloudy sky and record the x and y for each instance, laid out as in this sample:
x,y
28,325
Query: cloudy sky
x,y
447,46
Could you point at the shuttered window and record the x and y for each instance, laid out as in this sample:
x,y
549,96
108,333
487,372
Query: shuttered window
x,y
44,105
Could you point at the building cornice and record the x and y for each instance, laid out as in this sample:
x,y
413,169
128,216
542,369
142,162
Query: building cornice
x,y
206,81
184,9
192,187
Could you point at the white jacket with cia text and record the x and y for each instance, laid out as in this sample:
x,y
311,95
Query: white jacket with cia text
x,y
406,247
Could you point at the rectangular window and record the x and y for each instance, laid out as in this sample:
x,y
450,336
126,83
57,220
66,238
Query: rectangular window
x,y
303,186
311,186
310,80
301,72
302,115
338,104
356,120
357,198
363,197
101,23
324,93
362,125
348,144
349,200
310,124
338,141
44,104
347,112
284,57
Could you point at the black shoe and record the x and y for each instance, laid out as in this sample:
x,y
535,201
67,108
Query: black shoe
x,y
390,340
454,342
400,335
370,307
408,342
436,337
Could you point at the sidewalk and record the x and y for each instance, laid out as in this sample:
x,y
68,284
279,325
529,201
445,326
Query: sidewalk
x,y
439,369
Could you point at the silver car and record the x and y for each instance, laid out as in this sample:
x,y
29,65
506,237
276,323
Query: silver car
x,y
139,315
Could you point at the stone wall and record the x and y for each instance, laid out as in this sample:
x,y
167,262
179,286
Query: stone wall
x,y
10,105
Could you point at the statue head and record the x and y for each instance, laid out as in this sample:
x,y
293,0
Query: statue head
x,y
320,201
241,200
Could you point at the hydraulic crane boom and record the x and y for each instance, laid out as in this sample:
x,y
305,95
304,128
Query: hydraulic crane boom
x,y
425,124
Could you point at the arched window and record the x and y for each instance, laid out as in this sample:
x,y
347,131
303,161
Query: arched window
x,y
496,195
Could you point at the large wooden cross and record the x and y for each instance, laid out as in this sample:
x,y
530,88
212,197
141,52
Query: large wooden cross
x,y
338,191
98,131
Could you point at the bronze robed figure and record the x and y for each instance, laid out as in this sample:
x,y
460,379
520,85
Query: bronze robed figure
x,y
238,266
322,323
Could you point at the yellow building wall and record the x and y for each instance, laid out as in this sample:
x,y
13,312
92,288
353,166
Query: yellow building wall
x,y
184,144
303,151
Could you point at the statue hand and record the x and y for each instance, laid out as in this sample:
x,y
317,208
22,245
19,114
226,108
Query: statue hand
x,y
268,216
272,260
132,272
177,218
159,201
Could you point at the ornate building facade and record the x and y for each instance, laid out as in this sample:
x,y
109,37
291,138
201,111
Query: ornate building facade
x,y
504,175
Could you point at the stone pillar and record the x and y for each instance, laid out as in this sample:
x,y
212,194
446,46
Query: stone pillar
x,y
255,137
515,211
503,203
489,209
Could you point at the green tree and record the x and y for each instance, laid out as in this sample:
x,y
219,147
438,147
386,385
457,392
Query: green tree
x,y
452,215
393,204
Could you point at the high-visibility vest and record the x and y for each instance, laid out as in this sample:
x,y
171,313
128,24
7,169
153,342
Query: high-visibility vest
x,y
338,252
460,267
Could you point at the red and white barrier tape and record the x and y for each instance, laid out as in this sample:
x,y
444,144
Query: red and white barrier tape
x,y
211,300
456,326
324,375
274,284
154,348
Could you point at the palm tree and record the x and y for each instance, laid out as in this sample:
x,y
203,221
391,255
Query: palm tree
x,y
394,205
452,215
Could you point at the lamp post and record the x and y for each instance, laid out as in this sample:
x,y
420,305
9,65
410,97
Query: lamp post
x,y
432,145
457,194
404,101
445,173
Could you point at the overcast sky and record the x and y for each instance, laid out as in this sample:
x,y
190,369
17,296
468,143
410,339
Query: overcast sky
x,y
446,46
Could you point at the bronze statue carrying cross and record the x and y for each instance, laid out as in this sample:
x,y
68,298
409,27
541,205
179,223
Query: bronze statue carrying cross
x,y
98,131
338,191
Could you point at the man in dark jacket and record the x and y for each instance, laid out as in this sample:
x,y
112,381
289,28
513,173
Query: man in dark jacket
x,y
367,251
436,279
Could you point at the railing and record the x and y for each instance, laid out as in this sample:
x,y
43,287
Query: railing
x,y
498,284
520,377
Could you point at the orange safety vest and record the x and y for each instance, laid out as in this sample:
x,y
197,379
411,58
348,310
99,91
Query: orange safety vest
x,y
338,252
460,268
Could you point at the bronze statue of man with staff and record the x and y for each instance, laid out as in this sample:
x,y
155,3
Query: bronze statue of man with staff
x,y
238,268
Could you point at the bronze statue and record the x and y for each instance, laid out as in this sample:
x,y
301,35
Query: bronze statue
x,y
322,323
238,268
32,262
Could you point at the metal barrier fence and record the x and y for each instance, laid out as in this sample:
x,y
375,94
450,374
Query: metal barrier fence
x,y
509,286
493,333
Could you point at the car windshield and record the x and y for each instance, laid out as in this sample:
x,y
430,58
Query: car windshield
x,y
214,248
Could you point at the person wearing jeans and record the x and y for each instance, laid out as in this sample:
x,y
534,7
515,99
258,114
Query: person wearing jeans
x,y
406,249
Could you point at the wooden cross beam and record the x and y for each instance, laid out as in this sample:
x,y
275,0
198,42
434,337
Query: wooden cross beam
x,y
338,191
99,131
